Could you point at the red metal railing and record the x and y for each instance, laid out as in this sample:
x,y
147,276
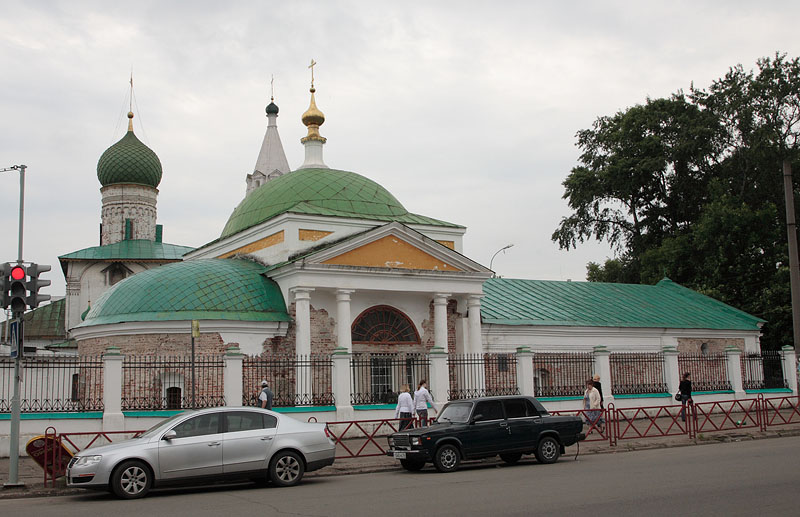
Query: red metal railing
x,y
600,422
364,438
55,461
650,422
358,437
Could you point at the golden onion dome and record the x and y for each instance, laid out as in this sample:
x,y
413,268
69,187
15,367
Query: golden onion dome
x,y
313,116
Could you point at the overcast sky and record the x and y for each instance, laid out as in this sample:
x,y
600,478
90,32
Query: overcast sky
x,y
465,111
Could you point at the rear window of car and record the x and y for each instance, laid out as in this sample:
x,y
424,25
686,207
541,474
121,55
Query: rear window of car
x,y
236,421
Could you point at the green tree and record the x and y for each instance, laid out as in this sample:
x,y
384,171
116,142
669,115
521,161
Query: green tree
x,y
691,187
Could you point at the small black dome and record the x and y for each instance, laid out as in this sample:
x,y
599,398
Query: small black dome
x,y
272,108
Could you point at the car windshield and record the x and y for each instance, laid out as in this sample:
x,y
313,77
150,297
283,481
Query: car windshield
x,y
455,413
159,425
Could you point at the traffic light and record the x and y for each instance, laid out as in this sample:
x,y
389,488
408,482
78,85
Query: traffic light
x,y
5,271
18,288
35,283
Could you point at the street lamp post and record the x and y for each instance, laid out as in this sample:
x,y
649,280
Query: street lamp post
x,y
13,442
495,254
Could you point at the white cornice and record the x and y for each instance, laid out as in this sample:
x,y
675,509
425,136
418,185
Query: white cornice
x,y
268,329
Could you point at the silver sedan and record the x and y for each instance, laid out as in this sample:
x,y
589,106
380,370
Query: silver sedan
x,y
208,445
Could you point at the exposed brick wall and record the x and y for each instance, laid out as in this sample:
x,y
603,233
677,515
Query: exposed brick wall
x,y
323,334
209,343
693,345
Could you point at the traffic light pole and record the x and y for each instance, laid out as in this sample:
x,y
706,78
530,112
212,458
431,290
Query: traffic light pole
x,y
13,453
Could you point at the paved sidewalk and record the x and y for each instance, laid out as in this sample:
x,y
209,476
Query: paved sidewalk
x,y
32,476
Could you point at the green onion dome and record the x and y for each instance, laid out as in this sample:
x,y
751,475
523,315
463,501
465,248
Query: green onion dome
x,y
129,161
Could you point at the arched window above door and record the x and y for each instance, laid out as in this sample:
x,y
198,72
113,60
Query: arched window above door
x,y
383,324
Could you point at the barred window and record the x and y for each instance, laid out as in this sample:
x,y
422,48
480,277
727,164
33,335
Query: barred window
x,y
383,324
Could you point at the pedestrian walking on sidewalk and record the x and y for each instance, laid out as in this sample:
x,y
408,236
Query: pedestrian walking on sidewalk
x,y
599,388
266,396
591,403
685,389
422,397
405,407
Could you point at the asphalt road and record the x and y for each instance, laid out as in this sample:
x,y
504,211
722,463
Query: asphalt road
x,y
742,478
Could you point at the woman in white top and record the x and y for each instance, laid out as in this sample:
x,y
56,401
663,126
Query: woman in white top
x,y
422,397
405,407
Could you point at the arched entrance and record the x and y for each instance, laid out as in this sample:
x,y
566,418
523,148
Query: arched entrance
x,y
386,346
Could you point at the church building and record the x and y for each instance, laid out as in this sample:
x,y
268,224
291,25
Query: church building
x,y
319,258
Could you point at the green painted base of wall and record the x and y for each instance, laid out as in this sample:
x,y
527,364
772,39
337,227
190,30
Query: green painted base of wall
x,y
368,407
304,409
54,416
770,390
720,392
556,399
159,413
642,395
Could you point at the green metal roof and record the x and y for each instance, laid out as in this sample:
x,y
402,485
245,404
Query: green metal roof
x,y
205,289
45,322
135,249
595,304
129,161
329,192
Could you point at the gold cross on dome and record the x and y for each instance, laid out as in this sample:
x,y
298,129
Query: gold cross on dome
x,y
272,88
311,66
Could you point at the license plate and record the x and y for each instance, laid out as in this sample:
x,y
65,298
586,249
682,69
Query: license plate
x,y
400,455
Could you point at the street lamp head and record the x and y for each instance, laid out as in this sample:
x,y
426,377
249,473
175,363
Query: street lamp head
x,y
495,254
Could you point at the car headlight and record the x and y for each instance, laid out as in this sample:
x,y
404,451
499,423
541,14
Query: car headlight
x,y
86,461
391,442
415,440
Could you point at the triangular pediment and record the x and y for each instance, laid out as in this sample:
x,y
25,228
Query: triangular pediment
x,y
394,246
391,252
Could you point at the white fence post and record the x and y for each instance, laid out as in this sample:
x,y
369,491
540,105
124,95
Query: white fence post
x,y
341,382
113,419
525,371
440,377
602,367
789,362
672,374
733,358
232,376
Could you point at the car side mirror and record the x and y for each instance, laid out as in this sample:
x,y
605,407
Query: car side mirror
x,y
475,418
169,435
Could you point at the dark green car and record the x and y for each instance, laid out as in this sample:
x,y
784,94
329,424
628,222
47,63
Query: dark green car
x,y
485,427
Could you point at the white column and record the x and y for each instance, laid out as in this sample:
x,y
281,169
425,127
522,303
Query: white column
x,y
475,346
477,375
343,331
525,371
341,382
232,376
302,318
113,419
440,377
733,357
672,375
602,367
790,368
440,321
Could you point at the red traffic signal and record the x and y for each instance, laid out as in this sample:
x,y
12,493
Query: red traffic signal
x,y
18,273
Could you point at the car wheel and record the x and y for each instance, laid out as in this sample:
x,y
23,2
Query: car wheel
x,y
286,468
511,458
131,480
447,458
549,450
412,465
